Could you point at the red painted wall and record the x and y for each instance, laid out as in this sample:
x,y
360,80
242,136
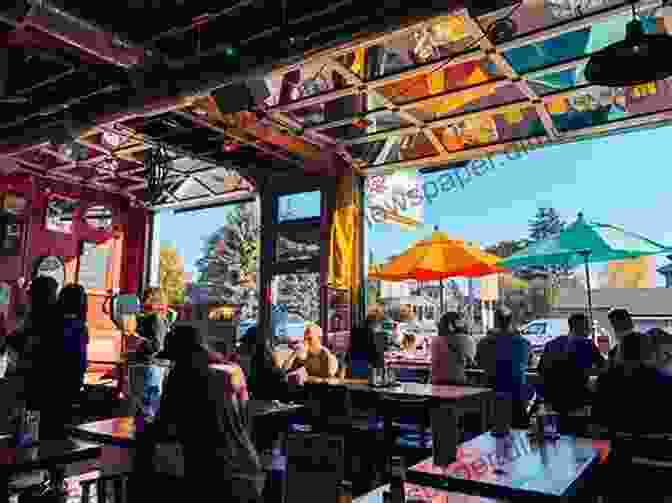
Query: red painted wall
x,y
127,241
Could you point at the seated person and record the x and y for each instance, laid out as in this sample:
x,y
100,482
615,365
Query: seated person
x,y
266,379
628,396
210,422
317,360
452,351
503,355
367,347
566,365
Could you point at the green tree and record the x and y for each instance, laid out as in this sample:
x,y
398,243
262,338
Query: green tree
x,y
171,274
506,248
545,224
229,261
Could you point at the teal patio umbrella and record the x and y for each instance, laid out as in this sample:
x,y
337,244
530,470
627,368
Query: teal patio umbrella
x,y
583,243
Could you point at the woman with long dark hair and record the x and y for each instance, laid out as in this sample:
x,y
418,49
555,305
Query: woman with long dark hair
x,y
73,307
452,351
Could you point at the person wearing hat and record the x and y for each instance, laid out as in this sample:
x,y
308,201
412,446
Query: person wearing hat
x,y
503,354
210,422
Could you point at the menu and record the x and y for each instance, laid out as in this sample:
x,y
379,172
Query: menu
x,y
94,262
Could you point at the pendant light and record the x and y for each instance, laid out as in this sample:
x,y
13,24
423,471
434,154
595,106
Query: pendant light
x,y
640,58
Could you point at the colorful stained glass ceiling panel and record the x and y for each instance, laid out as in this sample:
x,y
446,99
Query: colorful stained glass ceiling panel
x,y
446,36
370,124
576,44
468,100
516,123
597,105
445,78
394,148
345,107
535,15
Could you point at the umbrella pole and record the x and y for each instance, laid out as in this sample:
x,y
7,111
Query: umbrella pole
x,y
590,297
441,297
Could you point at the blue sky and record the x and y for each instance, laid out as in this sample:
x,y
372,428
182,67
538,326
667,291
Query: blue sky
x,y
623,180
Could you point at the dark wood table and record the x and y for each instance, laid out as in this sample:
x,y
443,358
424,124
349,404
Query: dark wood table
x,y
423,494
122,431
459,397
52,455
516,466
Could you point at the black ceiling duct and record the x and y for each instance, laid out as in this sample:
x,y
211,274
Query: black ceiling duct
x,y
638,59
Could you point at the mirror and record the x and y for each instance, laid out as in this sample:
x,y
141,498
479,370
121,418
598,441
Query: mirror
x,y
99,218
60,214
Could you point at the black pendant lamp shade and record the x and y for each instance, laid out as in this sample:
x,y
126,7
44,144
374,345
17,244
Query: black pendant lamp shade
x,y
638,59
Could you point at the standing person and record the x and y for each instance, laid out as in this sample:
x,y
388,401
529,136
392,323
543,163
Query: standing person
x,y
317,360
211,423
65,361
145,375
565,369
621,322
503,354
452,351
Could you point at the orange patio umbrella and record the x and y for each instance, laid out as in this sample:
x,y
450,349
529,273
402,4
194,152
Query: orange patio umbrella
x,y
437,258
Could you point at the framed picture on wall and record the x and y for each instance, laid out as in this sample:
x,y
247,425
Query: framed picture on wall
x,y
11,234
60,214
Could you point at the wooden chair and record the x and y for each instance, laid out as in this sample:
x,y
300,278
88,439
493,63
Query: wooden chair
x,y
315,466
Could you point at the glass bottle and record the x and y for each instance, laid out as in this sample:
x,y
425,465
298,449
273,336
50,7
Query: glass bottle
x,y
397,480
345,492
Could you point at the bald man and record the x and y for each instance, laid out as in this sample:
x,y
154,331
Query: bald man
x,y
317,360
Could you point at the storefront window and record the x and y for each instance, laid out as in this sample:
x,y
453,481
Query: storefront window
x,y
298,244
299,206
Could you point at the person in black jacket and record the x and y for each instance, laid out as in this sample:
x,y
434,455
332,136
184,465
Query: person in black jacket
x,y
219,457
266,380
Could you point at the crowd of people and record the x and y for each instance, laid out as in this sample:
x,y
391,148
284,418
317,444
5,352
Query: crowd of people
x,y
49,351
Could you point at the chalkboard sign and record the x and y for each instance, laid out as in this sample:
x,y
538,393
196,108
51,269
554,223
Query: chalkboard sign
x,y
94,263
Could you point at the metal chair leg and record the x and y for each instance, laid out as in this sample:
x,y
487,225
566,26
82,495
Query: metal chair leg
x,y
101,493
86,491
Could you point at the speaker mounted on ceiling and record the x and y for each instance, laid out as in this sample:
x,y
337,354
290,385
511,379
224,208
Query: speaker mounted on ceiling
x,y
241,97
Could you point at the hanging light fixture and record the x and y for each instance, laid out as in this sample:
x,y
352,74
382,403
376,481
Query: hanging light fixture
x,y
640,58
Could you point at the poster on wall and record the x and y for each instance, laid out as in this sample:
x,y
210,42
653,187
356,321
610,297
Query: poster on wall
x,y
338,319
395,199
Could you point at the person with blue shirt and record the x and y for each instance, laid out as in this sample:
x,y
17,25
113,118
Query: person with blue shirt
x,y
565,369
503,354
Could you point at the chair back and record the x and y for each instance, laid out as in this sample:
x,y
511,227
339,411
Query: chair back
x,y
315,467
11,389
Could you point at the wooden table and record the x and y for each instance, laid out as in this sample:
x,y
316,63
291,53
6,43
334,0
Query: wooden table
x,y
122,430
516,466
423,494
460,397
50,455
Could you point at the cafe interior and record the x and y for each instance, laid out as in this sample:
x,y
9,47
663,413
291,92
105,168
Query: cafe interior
x,y
116,112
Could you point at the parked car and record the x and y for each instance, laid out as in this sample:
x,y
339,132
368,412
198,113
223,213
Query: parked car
x,y
289,333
